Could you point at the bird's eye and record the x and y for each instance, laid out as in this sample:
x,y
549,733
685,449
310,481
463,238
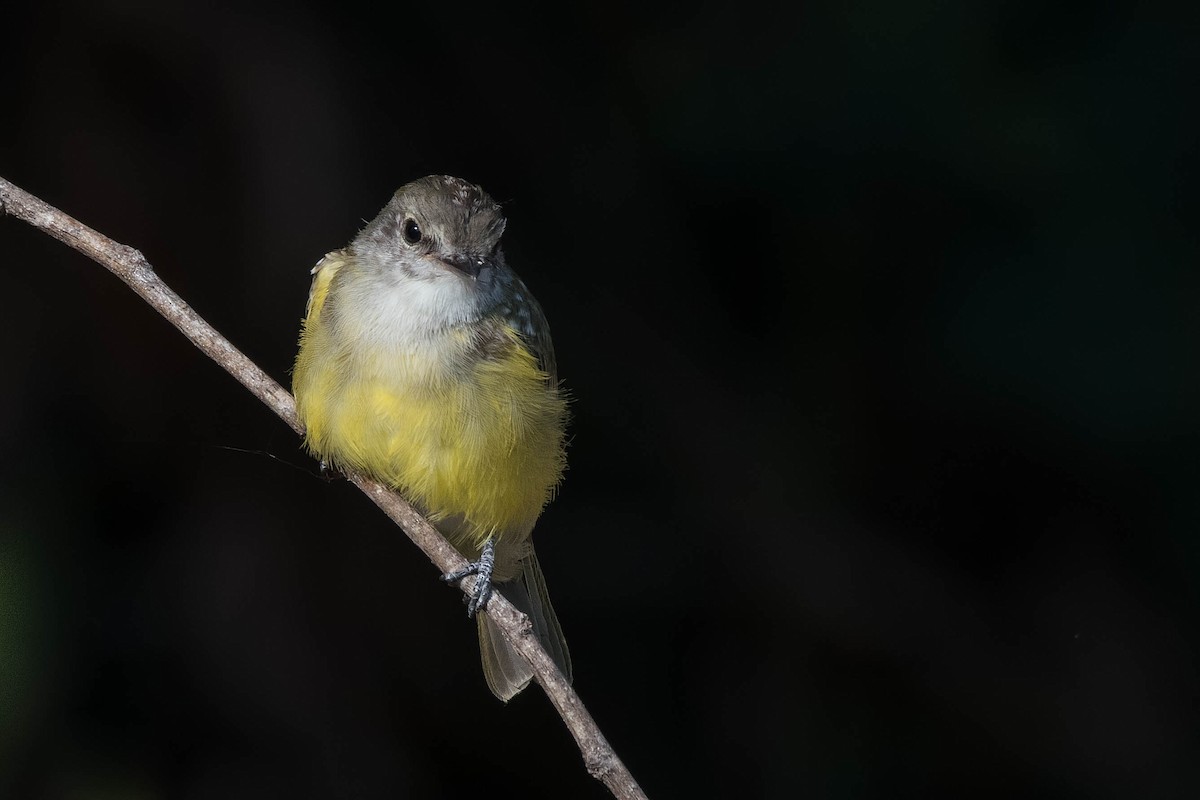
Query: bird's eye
x,y
412,231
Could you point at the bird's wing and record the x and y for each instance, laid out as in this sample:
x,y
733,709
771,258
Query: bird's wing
x,y
528,319
322,274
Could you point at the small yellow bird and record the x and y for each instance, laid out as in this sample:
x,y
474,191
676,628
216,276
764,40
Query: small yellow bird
x,y
426,364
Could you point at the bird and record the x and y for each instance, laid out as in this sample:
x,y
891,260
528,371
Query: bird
x,y
426,363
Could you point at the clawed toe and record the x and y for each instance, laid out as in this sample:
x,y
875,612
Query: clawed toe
x,y
482,570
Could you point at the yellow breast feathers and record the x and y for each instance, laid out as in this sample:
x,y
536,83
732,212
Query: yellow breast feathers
x,y
462,422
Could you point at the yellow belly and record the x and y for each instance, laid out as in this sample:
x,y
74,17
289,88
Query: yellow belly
x,y
481,440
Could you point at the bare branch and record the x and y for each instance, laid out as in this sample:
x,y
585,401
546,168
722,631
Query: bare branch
x,y
131,267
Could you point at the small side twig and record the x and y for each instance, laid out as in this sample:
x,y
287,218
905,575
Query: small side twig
x,y
132,267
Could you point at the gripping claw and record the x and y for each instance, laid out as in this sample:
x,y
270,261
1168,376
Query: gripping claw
x,y
329,473
482,570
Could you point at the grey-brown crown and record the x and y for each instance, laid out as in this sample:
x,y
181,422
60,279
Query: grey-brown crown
x,y
461,215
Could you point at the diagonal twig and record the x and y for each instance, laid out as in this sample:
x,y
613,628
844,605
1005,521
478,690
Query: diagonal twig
x,y
132,267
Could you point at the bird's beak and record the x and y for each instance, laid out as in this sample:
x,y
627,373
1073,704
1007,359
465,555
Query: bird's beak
x,y
465,263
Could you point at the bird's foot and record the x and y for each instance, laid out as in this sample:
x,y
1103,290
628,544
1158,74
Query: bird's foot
x,y
482,570
329,473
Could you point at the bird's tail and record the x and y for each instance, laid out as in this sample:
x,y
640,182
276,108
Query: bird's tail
x,y
506,672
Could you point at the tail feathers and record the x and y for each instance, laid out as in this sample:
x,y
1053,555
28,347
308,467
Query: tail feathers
x,y
506,672
503,668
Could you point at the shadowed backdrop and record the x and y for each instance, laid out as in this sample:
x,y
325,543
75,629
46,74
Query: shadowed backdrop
x,y
880,324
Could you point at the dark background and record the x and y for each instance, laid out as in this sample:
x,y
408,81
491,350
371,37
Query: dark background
x,y
880,320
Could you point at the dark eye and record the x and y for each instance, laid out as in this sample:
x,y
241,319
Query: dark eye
x,y
412,231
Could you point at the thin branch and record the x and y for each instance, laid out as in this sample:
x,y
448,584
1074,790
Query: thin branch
x,y
131,267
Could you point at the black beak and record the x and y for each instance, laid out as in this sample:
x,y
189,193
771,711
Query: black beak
x,y
468,265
